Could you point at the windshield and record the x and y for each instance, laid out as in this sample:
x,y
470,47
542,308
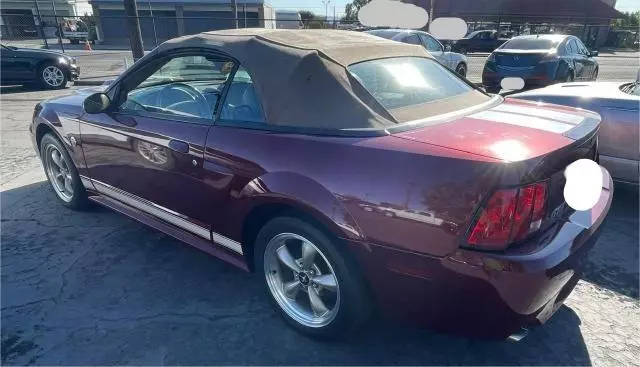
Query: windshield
x,y
531,44
388,34
631,88
406,81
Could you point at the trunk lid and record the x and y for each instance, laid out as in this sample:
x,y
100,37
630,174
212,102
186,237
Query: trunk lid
x,y
512,131
536,141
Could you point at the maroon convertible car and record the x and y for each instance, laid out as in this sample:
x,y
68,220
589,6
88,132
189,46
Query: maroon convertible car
x,y
352,173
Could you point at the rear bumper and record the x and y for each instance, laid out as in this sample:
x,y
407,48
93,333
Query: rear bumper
x,y
539,76
482,294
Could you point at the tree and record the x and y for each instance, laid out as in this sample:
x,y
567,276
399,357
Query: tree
x,y
630,19
351,10
307,17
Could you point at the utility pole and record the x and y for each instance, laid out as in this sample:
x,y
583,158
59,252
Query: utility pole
x,y
135,35
334,17
433,5
153,21
326,11
234,9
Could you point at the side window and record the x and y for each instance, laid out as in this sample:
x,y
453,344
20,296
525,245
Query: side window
x,y
412,39
242,103
581,48
431,44
186,86
482,36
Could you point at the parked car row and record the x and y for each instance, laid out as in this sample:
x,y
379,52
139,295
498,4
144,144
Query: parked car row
x,y
366,179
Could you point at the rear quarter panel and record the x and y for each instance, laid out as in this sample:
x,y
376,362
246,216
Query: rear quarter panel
x,y
352,184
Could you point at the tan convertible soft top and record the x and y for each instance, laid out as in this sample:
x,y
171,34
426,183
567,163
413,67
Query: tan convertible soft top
x,y
300,76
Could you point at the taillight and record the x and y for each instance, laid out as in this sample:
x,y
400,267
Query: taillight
x,y
510,215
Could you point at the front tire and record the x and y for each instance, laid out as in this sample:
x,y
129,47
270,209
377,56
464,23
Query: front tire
x,y
310,280
62,174
52,76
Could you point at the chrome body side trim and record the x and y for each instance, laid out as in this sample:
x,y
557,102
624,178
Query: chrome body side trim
x,y
165,214
86,182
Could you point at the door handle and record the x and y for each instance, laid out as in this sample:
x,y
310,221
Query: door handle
x,y
179,146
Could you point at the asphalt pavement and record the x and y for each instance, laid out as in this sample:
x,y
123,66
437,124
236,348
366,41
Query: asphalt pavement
x,y
96,288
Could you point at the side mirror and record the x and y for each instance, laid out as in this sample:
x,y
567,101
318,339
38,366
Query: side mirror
x,y
447,48
593,53
96,103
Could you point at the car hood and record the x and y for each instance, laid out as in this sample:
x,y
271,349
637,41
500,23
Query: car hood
x,y
35,52
71,104
586,90
513,130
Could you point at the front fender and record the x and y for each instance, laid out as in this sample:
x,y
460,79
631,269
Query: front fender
x,y
302,193
65,126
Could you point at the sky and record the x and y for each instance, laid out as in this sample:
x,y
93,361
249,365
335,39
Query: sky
x,y
318,7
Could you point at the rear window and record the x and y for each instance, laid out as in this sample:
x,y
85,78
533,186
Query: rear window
x,y
531,44
407,81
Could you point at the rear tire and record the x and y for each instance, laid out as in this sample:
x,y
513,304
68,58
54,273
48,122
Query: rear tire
x,y
295,288
461,70
62,174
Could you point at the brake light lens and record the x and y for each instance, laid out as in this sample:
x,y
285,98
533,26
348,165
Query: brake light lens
x,y
510,215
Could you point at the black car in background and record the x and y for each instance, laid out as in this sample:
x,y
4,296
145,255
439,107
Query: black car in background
x,y
42,68
540,60
479,41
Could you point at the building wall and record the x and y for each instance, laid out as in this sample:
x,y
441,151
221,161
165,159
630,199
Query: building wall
x,y
172,19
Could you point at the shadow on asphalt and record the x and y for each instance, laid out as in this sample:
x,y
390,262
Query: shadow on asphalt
x,y
136,296
15,89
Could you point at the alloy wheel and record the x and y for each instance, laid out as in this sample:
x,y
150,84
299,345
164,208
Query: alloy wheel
x,y
53,76
58,170
301,280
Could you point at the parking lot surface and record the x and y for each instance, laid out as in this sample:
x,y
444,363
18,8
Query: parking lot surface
x,y
98,288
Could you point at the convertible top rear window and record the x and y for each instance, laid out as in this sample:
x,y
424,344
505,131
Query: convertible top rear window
x,y
407,81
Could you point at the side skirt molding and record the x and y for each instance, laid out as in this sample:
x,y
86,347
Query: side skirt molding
x,y
162,213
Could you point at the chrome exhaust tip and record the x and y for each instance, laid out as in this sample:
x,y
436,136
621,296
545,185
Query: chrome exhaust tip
x,y
519,335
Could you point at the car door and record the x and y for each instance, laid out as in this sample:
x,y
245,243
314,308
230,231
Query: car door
x,y
590,62
14,66
579,60
481,42
435,49
148,152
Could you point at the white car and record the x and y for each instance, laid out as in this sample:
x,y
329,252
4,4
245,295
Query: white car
x,y
452,60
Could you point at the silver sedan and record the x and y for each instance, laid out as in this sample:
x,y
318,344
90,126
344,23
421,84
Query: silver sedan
x,y
618,104
452,60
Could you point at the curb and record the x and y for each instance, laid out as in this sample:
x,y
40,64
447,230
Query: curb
x,y
89,82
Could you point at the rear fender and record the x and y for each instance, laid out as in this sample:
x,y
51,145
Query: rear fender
x,y
304,194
